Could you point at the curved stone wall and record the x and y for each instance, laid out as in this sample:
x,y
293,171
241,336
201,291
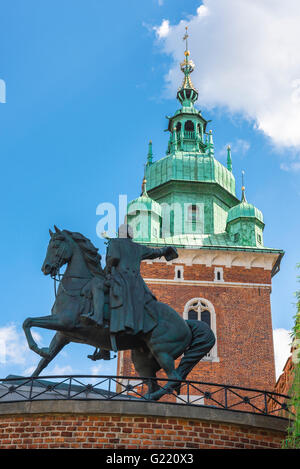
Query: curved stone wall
x,y
133,425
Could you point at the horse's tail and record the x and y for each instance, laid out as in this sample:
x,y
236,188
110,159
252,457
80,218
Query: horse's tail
x,y
203,339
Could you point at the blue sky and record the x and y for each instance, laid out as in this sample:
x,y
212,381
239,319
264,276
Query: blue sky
x,y
88,83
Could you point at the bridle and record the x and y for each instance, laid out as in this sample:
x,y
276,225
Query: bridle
x,y
58,277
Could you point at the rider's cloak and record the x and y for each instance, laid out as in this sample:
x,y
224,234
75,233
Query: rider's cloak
x,y
129,295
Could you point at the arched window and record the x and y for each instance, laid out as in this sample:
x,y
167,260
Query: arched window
x,y
202,310
178,126
189,126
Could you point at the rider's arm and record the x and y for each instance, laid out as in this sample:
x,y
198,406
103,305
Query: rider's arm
x,y
150,253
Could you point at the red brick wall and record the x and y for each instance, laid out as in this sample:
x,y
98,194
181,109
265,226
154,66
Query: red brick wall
x,y
283,385
44,431
243,319
202,272
285,380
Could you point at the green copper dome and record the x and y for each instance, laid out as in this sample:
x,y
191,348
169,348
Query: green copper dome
x,y
143,203
244,210
183,166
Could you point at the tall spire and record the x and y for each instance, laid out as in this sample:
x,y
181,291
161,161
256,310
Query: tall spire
x,y
150,154
187,93
243,188
229,160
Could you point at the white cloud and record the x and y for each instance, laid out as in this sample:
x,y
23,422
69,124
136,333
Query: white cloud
x,y
247,61
293,166
61,370
2,91
28,371
162,30
282,348
96,369
239,147
13,345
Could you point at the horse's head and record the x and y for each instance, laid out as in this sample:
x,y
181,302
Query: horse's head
x,y
59,252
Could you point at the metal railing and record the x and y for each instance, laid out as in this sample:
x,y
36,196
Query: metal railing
x,y
192,393
187,134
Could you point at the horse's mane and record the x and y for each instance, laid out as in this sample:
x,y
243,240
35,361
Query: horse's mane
x,y
89,251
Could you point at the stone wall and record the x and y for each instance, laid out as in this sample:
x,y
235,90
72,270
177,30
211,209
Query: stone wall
x,y
117,425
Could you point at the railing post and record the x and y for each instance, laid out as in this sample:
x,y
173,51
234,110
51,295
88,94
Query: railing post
x,y
69,389
31,386
225,397
266,403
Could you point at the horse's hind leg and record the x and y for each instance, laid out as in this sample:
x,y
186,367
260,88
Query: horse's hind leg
x,y
57,344
146,366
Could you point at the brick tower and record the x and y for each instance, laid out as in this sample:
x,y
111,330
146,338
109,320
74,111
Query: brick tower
x,y
224,272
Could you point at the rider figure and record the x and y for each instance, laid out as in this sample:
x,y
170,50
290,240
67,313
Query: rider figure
x,y
95,291
128,293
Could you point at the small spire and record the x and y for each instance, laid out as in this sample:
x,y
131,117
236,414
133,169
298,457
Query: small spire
x,y
144,183
243,188
229,160
150,154
210,144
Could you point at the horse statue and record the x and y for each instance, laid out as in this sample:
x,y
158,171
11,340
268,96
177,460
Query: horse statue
x,y
170,337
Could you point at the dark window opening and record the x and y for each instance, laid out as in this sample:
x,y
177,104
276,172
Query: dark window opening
x,y
205,317
178,126
188,94
218,275
178,273
193,213
189,126
192,314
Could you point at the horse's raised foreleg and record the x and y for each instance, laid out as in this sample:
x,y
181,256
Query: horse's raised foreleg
x,y
56,345
53,322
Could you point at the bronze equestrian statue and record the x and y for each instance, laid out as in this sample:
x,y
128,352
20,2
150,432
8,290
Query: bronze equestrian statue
x,y
113,309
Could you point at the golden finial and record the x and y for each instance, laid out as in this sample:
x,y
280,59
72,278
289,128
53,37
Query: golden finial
x,y
144,191
185,38
243,188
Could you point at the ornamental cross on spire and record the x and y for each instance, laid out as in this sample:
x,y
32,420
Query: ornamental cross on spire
x,y
185,38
